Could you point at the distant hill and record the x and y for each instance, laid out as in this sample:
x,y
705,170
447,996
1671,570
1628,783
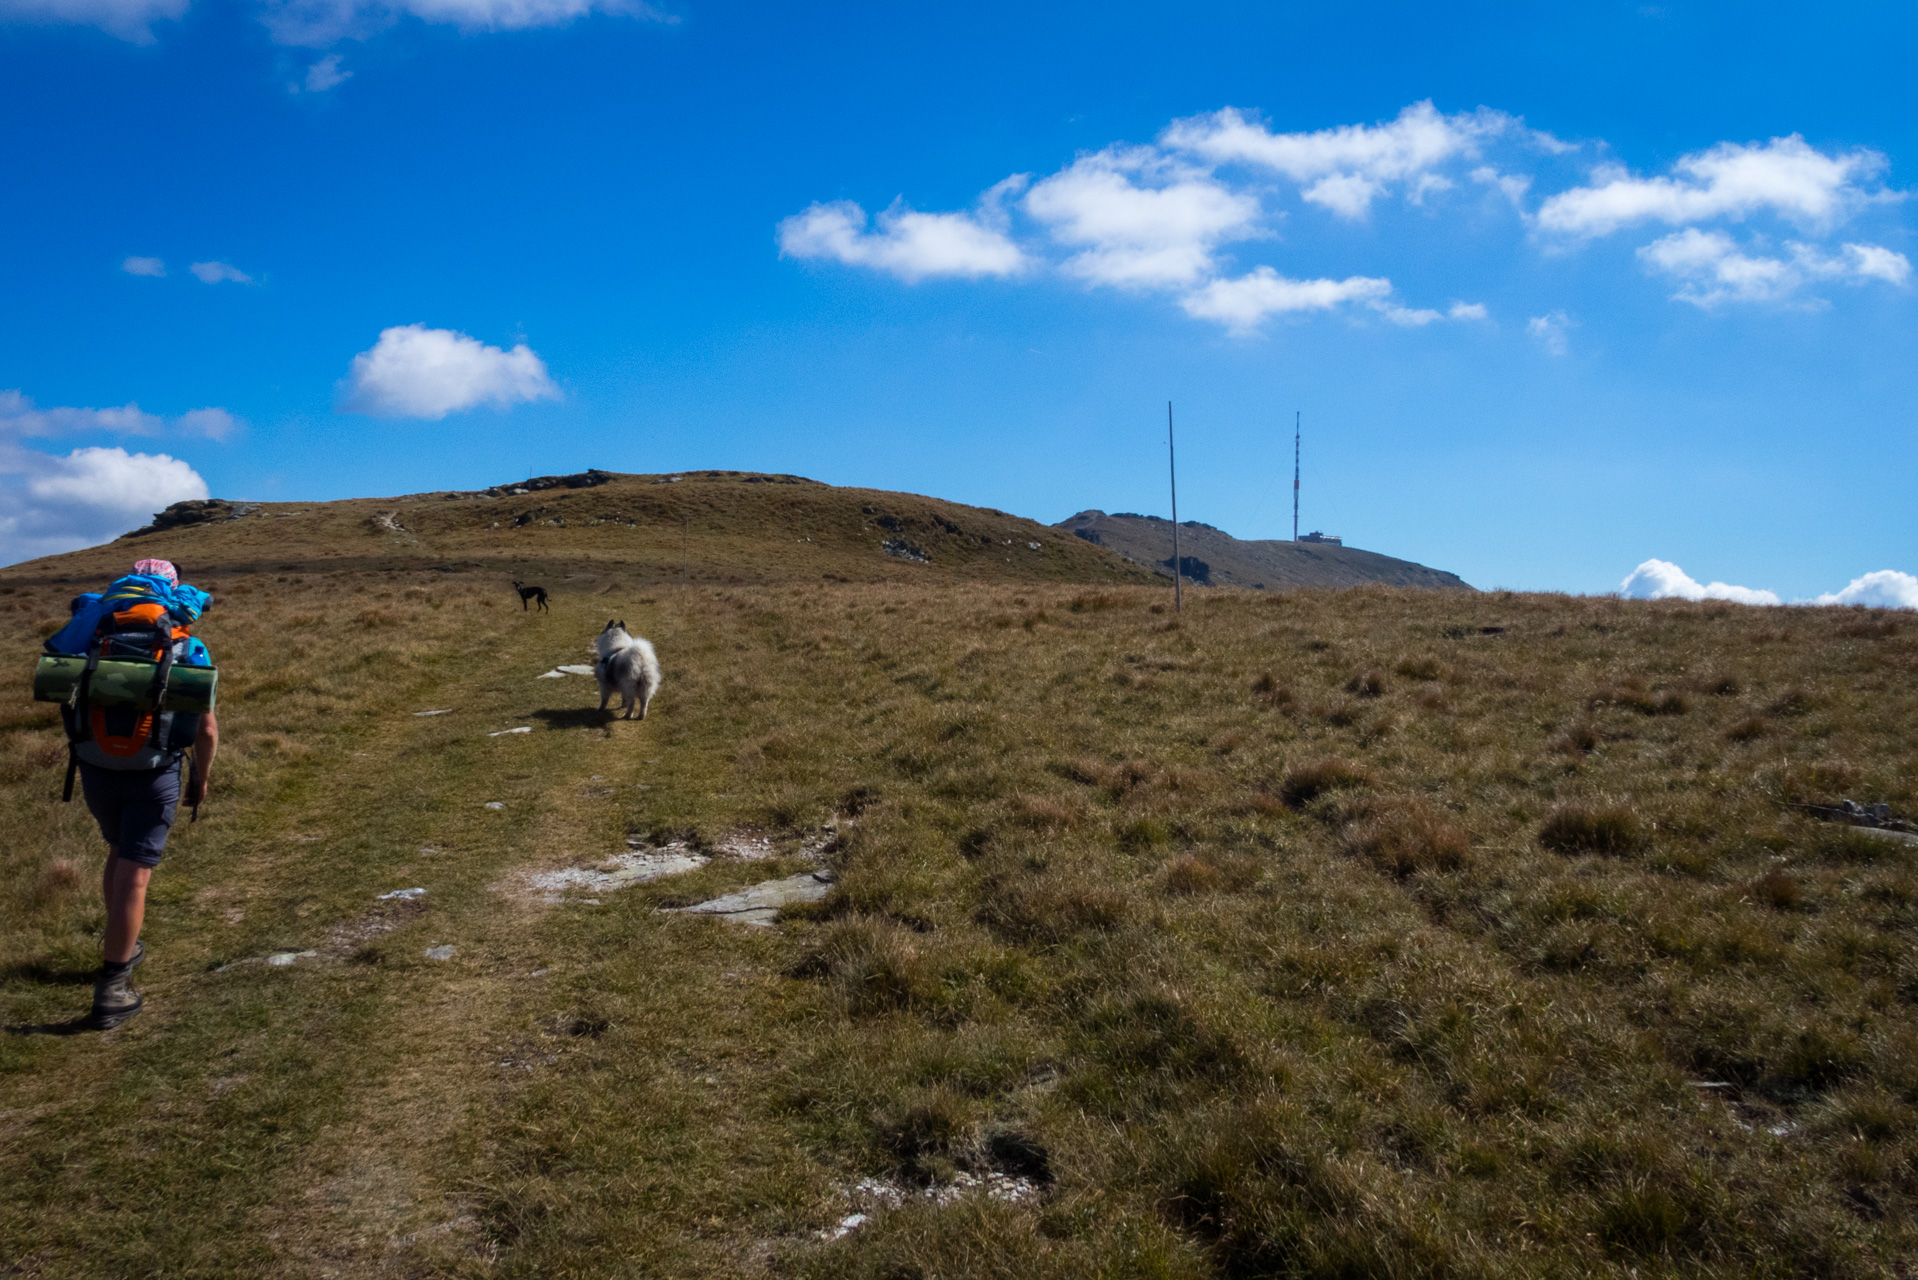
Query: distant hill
x,y
588,531
1216,558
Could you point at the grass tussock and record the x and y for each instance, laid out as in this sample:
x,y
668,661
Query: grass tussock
x,y
1602,829
1196,873
1039,908
1306,783
1273,694
1367,684
1405,838
1420,667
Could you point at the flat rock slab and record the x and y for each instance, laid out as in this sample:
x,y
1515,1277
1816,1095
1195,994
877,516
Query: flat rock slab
x,y
1885,833
760,904
635,866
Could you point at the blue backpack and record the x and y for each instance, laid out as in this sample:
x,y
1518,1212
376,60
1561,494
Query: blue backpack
x,y
137,616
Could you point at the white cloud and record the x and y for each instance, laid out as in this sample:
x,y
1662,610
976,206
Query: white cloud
x,y
417,372
326,74
1883,589
1786,176
1512,186
1346,194
214,424
318,23
111,480
1140,219
130,20
1349,166
910,245
143,267
1243,303
1876,261
216,272
20,419
1550,330
1663,580
1716,271
52,503
1160,218
1172,217
1419,317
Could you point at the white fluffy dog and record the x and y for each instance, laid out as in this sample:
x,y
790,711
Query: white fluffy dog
x,y
626,664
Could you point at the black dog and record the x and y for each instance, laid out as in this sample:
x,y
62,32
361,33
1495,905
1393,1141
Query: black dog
x,y
531,593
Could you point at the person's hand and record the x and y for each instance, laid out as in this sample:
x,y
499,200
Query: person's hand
x,y
196,788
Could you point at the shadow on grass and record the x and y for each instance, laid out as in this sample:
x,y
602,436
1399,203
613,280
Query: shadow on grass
x,y
71,1027
44,973
52,975
576,718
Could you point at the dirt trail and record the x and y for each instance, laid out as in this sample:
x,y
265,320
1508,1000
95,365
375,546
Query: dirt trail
x,y
385,1190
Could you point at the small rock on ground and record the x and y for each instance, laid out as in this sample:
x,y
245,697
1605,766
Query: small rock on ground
x,y
440,953
872,1195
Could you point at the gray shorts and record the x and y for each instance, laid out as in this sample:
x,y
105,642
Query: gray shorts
x,y
134,808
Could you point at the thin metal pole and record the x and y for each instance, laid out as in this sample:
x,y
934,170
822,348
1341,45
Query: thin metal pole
x,y
1295,475
1172,464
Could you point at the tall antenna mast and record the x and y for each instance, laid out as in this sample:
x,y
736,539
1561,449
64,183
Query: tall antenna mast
x,y
1172,465
1295,475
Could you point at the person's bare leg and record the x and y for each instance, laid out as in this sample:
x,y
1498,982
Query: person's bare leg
x,y
124,885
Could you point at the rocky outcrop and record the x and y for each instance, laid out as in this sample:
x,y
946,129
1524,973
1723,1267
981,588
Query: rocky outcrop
x,y
195,511
579,480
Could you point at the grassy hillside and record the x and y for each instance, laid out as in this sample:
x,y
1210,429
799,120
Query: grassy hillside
x,y
614,532
1216,558
1375,933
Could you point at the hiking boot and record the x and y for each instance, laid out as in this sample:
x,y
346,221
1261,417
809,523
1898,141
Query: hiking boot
x,y
114,1001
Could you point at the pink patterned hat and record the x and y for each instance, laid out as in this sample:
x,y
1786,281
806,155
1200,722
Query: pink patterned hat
x,y
159,569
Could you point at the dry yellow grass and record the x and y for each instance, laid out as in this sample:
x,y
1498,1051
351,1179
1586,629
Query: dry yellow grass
x,y
1493,947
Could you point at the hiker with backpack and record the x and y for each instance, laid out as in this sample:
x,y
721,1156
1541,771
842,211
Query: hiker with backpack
x,y
137,694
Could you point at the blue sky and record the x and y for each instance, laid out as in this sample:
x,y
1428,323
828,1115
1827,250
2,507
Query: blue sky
x,y
1558,289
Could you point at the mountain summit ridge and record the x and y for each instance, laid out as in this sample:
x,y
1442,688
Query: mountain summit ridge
x,y
1212,557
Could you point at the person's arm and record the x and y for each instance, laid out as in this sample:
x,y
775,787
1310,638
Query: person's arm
x,y
203,748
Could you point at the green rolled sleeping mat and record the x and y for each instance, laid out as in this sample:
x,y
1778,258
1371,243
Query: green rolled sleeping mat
x,y
124,682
